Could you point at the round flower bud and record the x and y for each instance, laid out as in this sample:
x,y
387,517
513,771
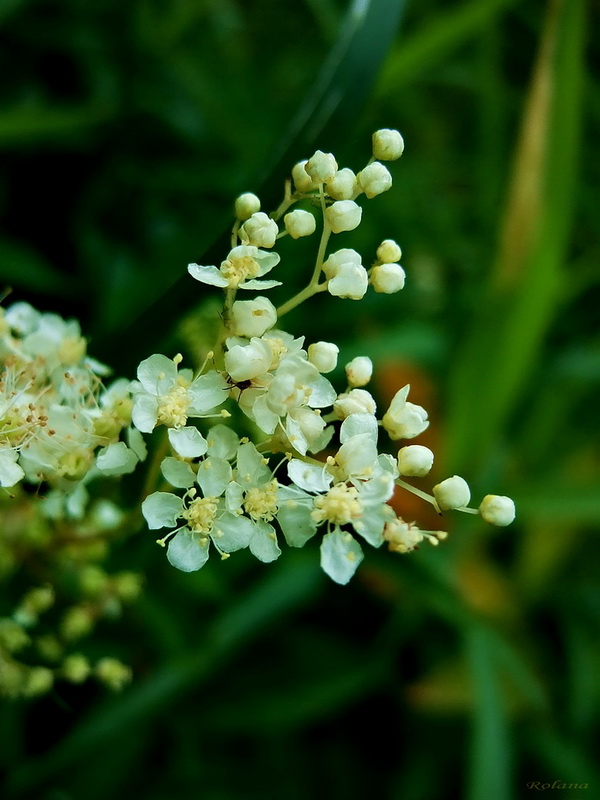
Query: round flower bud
x,y
388,252
356,401
252,317
344,256
246,205
375,179
299,223
454,492
302,180
321,166
343,185
387,278
323,355
351,281
359,371
414,460
497,509
343,215
260,230
388,145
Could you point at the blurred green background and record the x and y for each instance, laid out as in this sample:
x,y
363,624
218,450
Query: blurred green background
x,y
126,130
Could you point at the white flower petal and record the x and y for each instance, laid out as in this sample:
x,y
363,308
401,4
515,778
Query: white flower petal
x,y
188,442
144,414
178,473
210,275
356,424
213,476
251,466
255,285
10,472
116,459
157,374
309,477
162,510
207,392
186,551
340,556
263,543
232,532
222,441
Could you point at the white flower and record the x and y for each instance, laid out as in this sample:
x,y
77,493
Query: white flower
x,y
339,259
388,145
359,371
302,180
387,278
343,185
343,215
323,355
321,166
164,397
253,317
299,223
414,460
497,509
199,519
244,362
311,501
388,252
452,493
375,179
404,420
239,270
356,401
287,400
246,205
260,230
258,493
351,281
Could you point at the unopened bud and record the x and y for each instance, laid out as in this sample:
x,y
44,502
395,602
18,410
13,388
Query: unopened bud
x,y
388,252
299,223
324,356
375,179
321,166
246,205
388,145
343,215
387,278
414,460
343,185
497,509
454,492
359,371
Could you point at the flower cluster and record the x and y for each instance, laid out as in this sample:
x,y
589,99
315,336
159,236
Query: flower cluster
x,y
59,425
314,465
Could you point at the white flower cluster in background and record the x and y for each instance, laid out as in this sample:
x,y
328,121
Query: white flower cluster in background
x,y
59,424
314,466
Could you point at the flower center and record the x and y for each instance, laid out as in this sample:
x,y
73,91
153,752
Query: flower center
x,y
261,503
340,505
238,269
402,537
172,407
200,514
